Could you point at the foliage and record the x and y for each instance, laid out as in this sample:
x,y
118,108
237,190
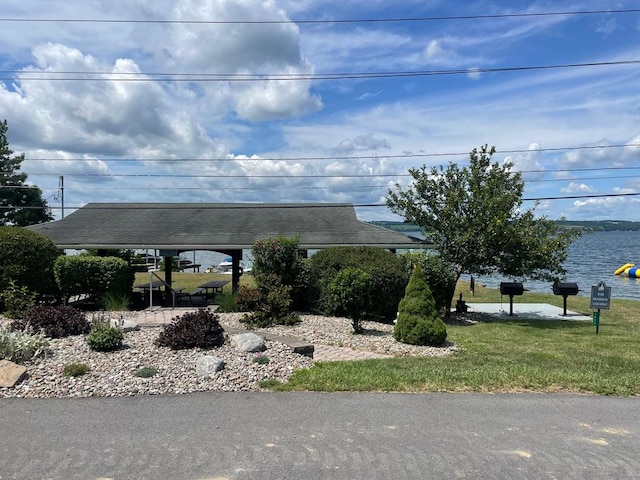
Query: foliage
x,y
350,293
75,369
125,254
261,359
16,300
439,275
56,321
247,298
273,306
103,337
473,215
389,277
115,302
20,204
418,320
199,329
227,303
95,276
146,372
21,346
27,258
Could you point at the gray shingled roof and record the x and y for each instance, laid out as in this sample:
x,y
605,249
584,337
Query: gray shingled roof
x,y
217,226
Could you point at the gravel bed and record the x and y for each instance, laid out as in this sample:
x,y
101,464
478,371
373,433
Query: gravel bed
x,y
113,373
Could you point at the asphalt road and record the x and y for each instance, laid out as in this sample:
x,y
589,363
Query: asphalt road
x,y
321,436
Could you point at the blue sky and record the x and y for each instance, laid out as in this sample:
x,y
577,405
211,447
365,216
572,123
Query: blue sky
x,y
189,139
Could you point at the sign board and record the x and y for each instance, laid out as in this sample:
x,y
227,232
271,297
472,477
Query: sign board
x,y
600,297
168,253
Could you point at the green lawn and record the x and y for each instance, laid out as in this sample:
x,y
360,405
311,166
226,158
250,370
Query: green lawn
x,y
507,356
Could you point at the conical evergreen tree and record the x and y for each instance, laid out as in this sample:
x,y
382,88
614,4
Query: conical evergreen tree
x,y
419,322
20,204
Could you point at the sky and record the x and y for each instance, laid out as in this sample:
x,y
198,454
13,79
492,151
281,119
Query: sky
x,y
291,101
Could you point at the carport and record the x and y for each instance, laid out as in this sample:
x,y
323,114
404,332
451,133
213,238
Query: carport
x,y
228,228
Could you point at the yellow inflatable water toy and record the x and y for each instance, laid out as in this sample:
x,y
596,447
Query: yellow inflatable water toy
x,y
628,270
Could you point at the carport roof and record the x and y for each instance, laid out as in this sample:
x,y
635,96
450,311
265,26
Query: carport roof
x,y
217,226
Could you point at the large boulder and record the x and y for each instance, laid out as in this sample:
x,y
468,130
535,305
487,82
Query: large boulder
x,y
11,373
248,342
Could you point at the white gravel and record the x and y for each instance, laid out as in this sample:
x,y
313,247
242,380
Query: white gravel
x,y
113,373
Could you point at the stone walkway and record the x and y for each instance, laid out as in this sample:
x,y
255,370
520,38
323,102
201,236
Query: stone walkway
x,y
321,353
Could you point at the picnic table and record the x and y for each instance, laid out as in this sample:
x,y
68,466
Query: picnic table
x,y
212,287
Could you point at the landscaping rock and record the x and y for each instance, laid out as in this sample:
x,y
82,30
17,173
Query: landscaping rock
x,y
248,342
207,365
11,373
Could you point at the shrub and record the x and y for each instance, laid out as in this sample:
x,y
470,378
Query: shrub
x,y
418,320
247,298
199,329
439,275
104,338
75,369
27,258
389,277
19,347
227,303
273,307
115,302
17,300
146,372
56,321
350,293
95,276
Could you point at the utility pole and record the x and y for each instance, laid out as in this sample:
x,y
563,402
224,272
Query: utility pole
x,y
62,193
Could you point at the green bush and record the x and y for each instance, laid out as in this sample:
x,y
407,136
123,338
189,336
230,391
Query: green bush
x,y
146,372
439,275
18,347
56,321
95,276
17,300
350,293
389,277
104,338
199,329
273,306
419,322
75,369
27,258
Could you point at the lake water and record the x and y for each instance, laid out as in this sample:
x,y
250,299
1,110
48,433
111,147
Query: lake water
x,y
592,258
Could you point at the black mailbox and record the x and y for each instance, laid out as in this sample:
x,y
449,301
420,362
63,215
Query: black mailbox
x,y
511,289
565,289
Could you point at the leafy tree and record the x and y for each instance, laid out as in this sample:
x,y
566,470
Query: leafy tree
x,y
20,204
473,215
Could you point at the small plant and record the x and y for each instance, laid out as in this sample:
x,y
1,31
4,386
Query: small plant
x,y
146,372
75,369
115,302
103,337
57,322
261,359
17,300
227,303
199,329
19,347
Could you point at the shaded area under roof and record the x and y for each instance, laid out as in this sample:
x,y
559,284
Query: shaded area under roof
x,y
217,226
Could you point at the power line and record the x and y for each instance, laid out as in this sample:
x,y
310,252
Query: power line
x,y
358,157
325,21
239,77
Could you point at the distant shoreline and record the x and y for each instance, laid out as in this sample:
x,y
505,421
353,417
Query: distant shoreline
x,y
589,225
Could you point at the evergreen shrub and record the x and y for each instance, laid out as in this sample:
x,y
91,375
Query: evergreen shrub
x,y
350,293
94,276
419,322
200,329
56,321
439,275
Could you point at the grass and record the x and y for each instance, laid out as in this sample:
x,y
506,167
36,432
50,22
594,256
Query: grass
x,y
189,281
506,356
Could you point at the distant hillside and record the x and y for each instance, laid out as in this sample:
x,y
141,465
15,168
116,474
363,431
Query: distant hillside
x,y
591,225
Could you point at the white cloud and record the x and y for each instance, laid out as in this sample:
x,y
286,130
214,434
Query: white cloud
x,y
578,188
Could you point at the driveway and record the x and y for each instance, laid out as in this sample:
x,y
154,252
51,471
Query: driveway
x,y
321,436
